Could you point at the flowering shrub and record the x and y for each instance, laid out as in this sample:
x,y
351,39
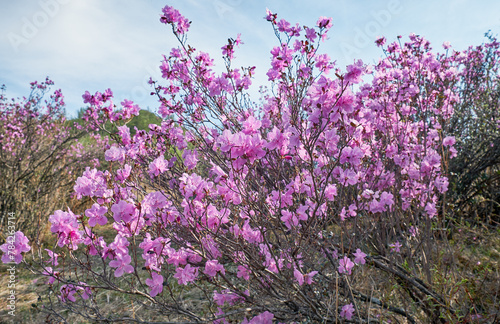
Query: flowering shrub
x,y
476,124
39,157
267,212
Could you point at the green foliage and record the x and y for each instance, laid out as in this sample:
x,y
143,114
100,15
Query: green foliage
x,y
143,121
140,122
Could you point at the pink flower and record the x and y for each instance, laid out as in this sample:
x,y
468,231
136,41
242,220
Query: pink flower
x,y
159,165
413,231
298,276
270,16
310,34
301,278
354,72
275,139
53,257
431,210
123,174
122,265
324,22
431,162
190,159
330,192
86,290
96,215
67,293
123,211
359,257
51,274
251,125
441,184
243,273
100,247
119,245
214,217
351,155
92,183
263,318
347,311
228,50
178,257
172,16
14,246
186,274
212,267
346,177
156,284
396,246
453,152
115,154
225,296
129,109
323,63
289,218
308,278
65,225
387,199
348,213
194,185
124,133
238,41
449,141
283,26
376,206
380,41
345,265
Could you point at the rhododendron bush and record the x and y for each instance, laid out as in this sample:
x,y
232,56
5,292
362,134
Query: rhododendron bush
x,y
39,158
233,210
476,124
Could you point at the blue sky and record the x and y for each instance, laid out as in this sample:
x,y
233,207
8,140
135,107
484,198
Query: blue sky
x,y
94,45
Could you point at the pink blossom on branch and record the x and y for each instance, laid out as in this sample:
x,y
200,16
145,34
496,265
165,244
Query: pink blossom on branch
x,y
13,248
122,265
359,257
158,166
53,257
263,318
123,211
67,228
172,16
96,215
212,267
155,283
115,154
396,246
186,275
347,311
346,265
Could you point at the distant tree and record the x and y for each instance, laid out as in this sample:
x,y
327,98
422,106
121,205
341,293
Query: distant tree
x,y
143,120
